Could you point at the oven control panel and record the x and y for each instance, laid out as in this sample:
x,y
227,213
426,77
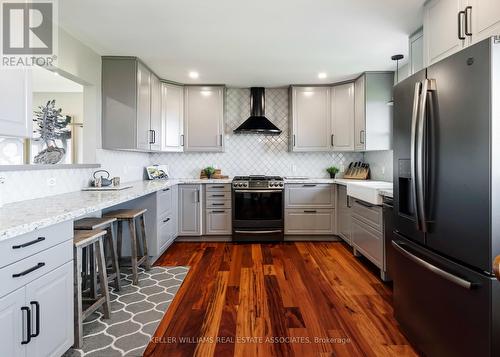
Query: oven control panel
x,y
276,184
240,184
258,184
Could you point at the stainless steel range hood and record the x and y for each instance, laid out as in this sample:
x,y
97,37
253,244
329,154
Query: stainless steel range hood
x,y
257,123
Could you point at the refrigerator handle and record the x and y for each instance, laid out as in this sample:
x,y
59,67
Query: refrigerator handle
x,y
438,271
414,118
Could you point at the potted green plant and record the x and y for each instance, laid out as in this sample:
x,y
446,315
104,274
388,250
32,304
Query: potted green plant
x,y
332,170
209,171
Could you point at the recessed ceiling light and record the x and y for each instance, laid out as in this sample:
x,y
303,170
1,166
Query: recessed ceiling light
x,y
322,75
193,74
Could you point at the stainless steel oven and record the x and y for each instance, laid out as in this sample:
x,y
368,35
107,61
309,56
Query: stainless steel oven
x,y
258,208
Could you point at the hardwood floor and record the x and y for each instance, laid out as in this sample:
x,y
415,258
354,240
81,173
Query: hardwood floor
x,y
251,299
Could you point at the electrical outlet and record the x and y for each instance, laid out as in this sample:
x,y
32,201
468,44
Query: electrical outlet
x,y
51,181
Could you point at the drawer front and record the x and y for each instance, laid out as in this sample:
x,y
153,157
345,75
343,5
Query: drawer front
x,y
18,248
218,195
211,187
166,230
164,201
368,241
218,204
34,266
315,222
309,195
218,222
368,214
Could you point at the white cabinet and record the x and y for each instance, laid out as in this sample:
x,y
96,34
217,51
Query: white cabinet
x,y
172,117
310,119
12,324
416,52
144,134
343,117
156,114
50,299
484,18
190,210
16,110
204,118
218,221
373,116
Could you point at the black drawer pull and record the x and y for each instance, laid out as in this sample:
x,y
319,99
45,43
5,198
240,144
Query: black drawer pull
x,y
218,204
166,189
310,211
28,325
37,316
309,185
27,244
166,220
218,211
217,186
217,195
27,271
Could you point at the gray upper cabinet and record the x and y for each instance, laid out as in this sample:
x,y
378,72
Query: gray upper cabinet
x,y
310,119
416,49
204,118
130,105
172,117
373,115
343,117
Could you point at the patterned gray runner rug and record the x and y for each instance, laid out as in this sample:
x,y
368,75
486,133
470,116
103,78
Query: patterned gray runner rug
x,y
136,312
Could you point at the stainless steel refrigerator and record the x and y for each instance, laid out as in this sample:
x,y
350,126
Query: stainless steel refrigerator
x,y
447,204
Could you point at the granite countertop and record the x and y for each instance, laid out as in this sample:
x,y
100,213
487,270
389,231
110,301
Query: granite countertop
x,y
26,216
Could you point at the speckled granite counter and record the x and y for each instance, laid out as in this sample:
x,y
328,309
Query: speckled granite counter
x,y
26,216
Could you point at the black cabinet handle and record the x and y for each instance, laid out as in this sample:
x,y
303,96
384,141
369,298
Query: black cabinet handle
x,y
37,317
166,189
460,22
27,271
151,134
217,186
218,204
28,325
310,211
166,220
27,244
331,140
468,31
218,211
217,196
309,185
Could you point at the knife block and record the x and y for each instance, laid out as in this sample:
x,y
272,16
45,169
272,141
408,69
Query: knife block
x,y
357,173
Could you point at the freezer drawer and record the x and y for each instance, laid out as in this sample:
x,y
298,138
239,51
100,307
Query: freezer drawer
x,y
367,241
437,308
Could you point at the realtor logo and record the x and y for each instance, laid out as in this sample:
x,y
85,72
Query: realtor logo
x,y
29,33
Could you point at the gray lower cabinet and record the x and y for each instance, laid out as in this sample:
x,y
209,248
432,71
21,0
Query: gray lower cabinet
x,y
310,221
167,215
310,209
190,210
344,214
367,232
218,214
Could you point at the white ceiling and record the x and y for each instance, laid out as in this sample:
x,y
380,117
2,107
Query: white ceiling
x,y
248,43
47,81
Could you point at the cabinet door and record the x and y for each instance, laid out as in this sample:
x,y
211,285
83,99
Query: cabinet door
x,y
441,29
204,118
368,241
311,122
416,53
172,118
15,103
218,221
53,293
156,131
13,324
343,117
344,214
144,135
310,221
359,114
190,210
485,18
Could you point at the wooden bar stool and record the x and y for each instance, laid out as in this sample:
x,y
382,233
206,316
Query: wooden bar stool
x,y
89,240
137,259
106,223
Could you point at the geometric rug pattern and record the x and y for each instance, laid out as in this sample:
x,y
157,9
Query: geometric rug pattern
x,y
136,312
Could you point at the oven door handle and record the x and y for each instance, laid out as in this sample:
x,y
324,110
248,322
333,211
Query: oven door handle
x,y
258,232
257,191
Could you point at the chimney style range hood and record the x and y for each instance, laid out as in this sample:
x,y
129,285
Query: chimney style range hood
x,y
257,123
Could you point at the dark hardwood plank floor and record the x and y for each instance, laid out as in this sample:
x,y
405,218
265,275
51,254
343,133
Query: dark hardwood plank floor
x,y
287,299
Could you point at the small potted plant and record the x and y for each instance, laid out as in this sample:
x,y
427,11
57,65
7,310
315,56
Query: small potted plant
x,y
332,170
209,171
